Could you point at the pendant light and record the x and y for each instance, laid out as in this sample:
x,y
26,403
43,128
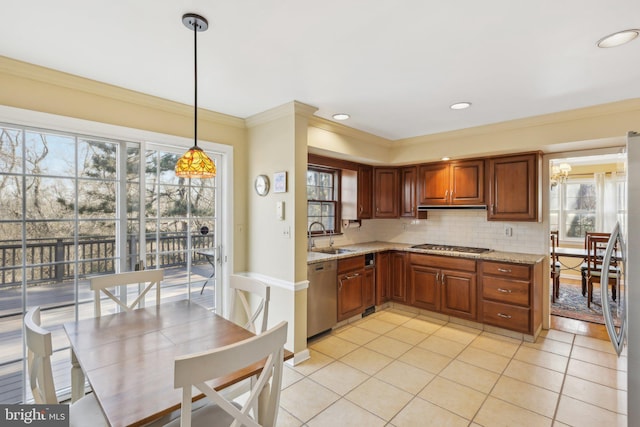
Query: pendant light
x,y
195,163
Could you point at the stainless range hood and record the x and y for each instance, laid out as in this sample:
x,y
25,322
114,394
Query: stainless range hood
x,y
425,208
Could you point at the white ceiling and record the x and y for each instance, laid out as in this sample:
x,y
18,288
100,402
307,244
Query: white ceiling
x,y
395,66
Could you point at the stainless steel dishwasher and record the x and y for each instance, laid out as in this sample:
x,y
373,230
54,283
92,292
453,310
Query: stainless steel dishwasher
x,y
322,297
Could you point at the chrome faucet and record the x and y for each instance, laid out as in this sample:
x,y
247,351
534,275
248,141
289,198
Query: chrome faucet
x,y
324,233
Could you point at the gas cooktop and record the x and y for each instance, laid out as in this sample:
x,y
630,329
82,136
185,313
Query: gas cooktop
x,y
450,248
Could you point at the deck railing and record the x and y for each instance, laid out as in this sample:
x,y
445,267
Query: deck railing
x,y
56,260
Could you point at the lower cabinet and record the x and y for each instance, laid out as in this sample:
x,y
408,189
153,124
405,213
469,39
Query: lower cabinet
x,y
383,277
510,298
397,276
369,297
356,287
507,295
443,284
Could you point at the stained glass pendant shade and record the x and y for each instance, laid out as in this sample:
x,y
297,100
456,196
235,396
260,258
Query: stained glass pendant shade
x,y
195,163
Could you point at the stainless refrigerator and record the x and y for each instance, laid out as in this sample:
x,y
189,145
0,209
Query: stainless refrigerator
x,y
626,332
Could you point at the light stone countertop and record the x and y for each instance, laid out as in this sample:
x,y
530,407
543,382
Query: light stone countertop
x,y
371,247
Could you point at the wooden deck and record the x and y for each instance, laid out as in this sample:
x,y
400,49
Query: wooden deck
x,y
57,308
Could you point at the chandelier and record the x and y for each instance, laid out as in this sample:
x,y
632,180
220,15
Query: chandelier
x,y
559,173
195,163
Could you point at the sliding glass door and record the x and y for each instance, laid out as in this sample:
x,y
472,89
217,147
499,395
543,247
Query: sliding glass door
x,y
75,206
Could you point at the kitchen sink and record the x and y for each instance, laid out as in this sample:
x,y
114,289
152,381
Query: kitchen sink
x,y
332,251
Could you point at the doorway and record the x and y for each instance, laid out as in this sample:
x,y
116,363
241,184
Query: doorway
x,y
586,194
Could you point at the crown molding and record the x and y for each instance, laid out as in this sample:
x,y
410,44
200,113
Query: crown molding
x,y
285,110
58,78
328,125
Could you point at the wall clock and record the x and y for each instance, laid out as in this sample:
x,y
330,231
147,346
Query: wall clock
x,y
262,185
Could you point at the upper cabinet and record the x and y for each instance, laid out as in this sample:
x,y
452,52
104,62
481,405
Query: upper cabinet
x,y
386,188
513,188
408,181
365,192
456,183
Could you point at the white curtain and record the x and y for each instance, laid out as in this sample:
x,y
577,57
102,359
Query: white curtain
x,y
606,201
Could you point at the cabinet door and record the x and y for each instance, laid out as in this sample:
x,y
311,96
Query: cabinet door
x,y
398,277
408,205
433,184
386,193
424,287
383,278
350,294
365,192
513,188
467,183
459,294
369,297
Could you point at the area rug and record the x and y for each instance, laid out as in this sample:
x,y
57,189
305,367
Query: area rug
x,y
573,305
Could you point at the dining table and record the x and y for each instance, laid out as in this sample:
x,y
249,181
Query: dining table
x,y
128,357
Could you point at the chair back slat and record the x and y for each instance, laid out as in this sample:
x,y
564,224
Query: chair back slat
x,y
260,294
102,284
39,351
194,370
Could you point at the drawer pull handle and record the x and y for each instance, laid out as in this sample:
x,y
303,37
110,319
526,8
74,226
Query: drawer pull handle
x,y
504,291
504,316
504,270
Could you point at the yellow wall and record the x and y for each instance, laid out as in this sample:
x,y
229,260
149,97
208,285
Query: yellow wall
x,y
277,142
40,89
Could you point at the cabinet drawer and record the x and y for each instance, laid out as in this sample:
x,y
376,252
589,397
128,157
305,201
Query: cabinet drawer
x,y
505,290
350,264
443,262
515,271
506,316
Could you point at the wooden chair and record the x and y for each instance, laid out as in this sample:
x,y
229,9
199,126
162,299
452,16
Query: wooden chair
x,y
555,267
84,412
583,267
192,371
595,253
241,286
102,284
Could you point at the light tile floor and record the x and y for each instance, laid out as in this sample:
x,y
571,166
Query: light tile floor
x,y
396,368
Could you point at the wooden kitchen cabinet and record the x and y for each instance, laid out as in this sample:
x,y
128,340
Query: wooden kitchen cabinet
x,y
408,183
513,188
351,287
369,292
455,183
365,192
397,262
383,277
444,284
510,297
386,198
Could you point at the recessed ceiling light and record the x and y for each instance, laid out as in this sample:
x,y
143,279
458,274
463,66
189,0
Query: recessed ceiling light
x,y
446,158
619,38
341,116
460,105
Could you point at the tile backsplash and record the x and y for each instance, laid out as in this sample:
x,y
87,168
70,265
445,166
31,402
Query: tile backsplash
x,y
451,227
